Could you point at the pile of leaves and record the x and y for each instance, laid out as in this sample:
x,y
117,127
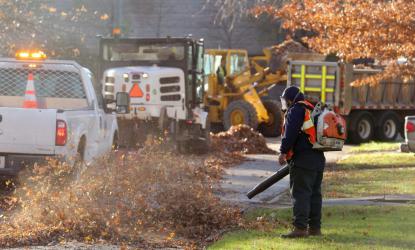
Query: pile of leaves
x,y
280,53
124,198
240,139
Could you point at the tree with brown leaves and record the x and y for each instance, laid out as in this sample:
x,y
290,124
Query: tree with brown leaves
x,y
352,29
40,24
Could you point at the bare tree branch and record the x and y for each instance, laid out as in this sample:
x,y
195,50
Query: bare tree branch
x,y
230,12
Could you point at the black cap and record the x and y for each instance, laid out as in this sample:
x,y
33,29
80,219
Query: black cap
x,y
292,94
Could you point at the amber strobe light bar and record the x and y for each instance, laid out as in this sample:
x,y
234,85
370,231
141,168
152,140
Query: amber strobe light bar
x,y
30,55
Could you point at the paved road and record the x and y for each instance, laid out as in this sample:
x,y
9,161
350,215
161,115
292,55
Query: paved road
x,y
240,179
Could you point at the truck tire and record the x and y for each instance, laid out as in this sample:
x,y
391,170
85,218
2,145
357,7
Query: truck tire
x,y
200,144
205,143
362,127
240,112
163,121
274,126
80,151
79,165
127,136
183,147
115,145
389,126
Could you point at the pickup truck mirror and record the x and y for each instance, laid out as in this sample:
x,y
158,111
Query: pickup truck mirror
x,y
123,103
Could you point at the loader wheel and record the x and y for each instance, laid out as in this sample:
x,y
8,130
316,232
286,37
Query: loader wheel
x,y
273,127
362,127
240,112
389,126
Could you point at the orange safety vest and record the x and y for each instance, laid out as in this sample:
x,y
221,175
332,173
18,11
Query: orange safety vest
x,y
308,127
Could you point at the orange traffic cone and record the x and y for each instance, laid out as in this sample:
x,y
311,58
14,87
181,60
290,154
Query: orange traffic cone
x,y
30,100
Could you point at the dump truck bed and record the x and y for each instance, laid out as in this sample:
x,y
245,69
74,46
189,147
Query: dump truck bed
x,y
385,95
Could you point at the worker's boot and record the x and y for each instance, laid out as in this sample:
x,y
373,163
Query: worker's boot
x,y
314,232
296,233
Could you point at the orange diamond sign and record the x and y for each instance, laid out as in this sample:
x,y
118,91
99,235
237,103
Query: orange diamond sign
x,y
136,92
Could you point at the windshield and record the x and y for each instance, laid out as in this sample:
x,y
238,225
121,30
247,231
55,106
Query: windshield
x,y
238,63
127,51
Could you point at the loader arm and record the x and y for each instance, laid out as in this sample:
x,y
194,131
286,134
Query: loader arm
x,y
244,84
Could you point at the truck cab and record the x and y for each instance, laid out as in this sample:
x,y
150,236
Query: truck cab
x,y
163,78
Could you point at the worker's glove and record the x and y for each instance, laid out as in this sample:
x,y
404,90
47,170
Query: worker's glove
x,y
282,159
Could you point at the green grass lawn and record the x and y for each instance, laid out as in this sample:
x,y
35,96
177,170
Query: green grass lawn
x,y
377,160
376,146
371,174
364,227
370,182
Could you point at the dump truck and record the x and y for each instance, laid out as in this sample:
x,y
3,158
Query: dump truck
x,y
242,98
372,112
163,78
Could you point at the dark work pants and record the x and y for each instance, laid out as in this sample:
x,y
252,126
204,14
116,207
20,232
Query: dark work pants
x,y
305,186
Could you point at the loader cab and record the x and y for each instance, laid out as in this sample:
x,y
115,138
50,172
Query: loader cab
x,y
236,63
186,54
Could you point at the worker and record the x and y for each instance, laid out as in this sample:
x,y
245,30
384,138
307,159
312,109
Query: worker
x,y
306,164
221,72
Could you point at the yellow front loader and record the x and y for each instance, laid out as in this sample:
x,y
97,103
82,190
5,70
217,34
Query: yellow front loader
x,y
241,98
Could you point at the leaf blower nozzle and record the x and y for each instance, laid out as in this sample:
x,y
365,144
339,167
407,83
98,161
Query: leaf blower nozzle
x,y
261,187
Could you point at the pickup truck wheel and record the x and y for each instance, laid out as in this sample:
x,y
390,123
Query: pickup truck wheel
x,y
240,112
79,163
273,127
362,127
115,145
389,126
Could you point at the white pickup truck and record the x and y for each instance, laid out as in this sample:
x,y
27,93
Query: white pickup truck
x,y
68,121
